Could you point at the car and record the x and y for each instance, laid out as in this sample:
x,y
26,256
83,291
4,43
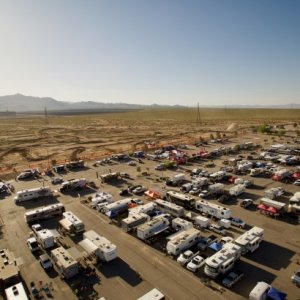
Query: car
x,y
45,261
246,202
124,175
139,190
33,244
57,180
237,222
186,257
232,278
160,168
24,175
133,187
217,228
196,263
297,182
194,191
204,194
137,201
131,163
296,278
124,192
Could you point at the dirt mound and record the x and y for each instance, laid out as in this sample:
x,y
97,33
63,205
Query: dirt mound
x,y
233,127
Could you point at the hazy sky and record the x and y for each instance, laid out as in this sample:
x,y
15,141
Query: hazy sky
x,y
162,51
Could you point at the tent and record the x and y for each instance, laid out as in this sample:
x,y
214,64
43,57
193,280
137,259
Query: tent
x,y
296,175
262,207
216,246
272,210
276,294
152,194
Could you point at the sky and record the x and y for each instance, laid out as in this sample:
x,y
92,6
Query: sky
x,y
214,52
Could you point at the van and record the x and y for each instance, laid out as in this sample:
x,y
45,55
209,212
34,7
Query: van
x,y
260,291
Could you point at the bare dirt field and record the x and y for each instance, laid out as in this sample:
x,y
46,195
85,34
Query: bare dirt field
x,y
37,141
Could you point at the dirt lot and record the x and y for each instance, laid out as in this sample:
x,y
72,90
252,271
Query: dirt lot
x,y
39,141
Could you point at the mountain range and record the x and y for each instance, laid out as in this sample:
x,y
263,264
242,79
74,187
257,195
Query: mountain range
x,y
21,103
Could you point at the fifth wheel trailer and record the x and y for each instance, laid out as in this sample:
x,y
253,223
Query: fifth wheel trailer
x,y
214,210
31,194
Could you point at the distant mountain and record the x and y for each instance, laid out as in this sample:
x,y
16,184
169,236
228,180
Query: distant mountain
x,y
21,103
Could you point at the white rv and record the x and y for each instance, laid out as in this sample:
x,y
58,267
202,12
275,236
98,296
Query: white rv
x,y
71,223
32,194
45,212
117,207
222,261
170,208
237,190
134,220
274,192
45,238
182,240
259,292
211,209
65,263
181,224
98,245
250,240
181,199
200,182
101,197
147,208
73,184
16,292
153,227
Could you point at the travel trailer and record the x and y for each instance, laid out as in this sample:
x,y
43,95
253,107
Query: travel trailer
x,y
31,194
44,212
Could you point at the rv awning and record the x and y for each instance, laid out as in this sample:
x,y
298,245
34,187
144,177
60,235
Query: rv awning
x,y
88,246
276,294
216,246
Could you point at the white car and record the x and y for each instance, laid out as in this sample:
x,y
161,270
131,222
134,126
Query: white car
x,y
297,182
33,244
185,257
196,263
217,228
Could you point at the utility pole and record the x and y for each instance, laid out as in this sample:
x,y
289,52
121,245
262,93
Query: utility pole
x,y
198,115
46,116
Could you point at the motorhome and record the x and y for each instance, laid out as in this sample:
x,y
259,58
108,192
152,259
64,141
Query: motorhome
x,y
98,245
153,227
71,223
184,200
250,240
100,197
16,292
115,208
222,261
133,221
44,212
183,240
73,184
65,263
170,208
214,210
181,224
237,190
32,194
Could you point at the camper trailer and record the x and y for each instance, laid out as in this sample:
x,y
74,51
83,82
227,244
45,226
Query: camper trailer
x,y
133,221
45,238
147,208
73,184
214,210
176,180
170,208
222,261
31,194
181,224
153,227
184,200
116,208
45,212
183,240
101,197
98,245
65,263
237,190
71,223
250,240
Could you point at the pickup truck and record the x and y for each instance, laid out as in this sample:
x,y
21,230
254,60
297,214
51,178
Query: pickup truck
x,y
205,242
186,257
237,222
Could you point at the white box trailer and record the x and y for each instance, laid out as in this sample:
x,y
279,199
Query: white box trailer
x,y
16,292
250,240
45,238
214,210
65,263
202,221
133,221
181,224
99,245
31,194
153,227
182,241
237,190
222,261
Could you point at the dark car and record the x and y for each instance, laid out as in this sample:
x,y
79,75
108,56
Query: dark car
x,y
124,192
232,278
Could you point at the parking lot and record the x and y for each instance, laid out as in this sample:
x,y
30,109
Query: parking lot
x,y
143,266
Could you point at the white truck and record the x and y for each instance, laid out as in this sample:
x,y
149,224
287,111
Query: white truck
x,y
153,227
183,240
181,224
31,194
224,223
214,210
186,187
222,261
237,190
73,184
98,245
250,240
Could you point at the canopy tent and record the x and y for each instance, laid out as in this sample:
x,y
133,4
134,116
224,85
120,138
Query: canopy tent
x,y
296,175
152,194
276,294
272,210
262,207
216,246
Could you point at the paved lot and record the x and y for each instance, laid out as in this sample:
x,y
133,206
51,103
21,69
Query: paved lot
x,y
274,262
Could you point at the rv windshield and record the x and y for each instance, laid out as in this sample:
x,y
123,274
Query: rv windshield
x,y
211,269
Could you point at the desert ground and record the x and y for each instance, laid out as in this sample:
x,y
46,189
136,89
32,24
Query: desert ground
x,y
36,141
